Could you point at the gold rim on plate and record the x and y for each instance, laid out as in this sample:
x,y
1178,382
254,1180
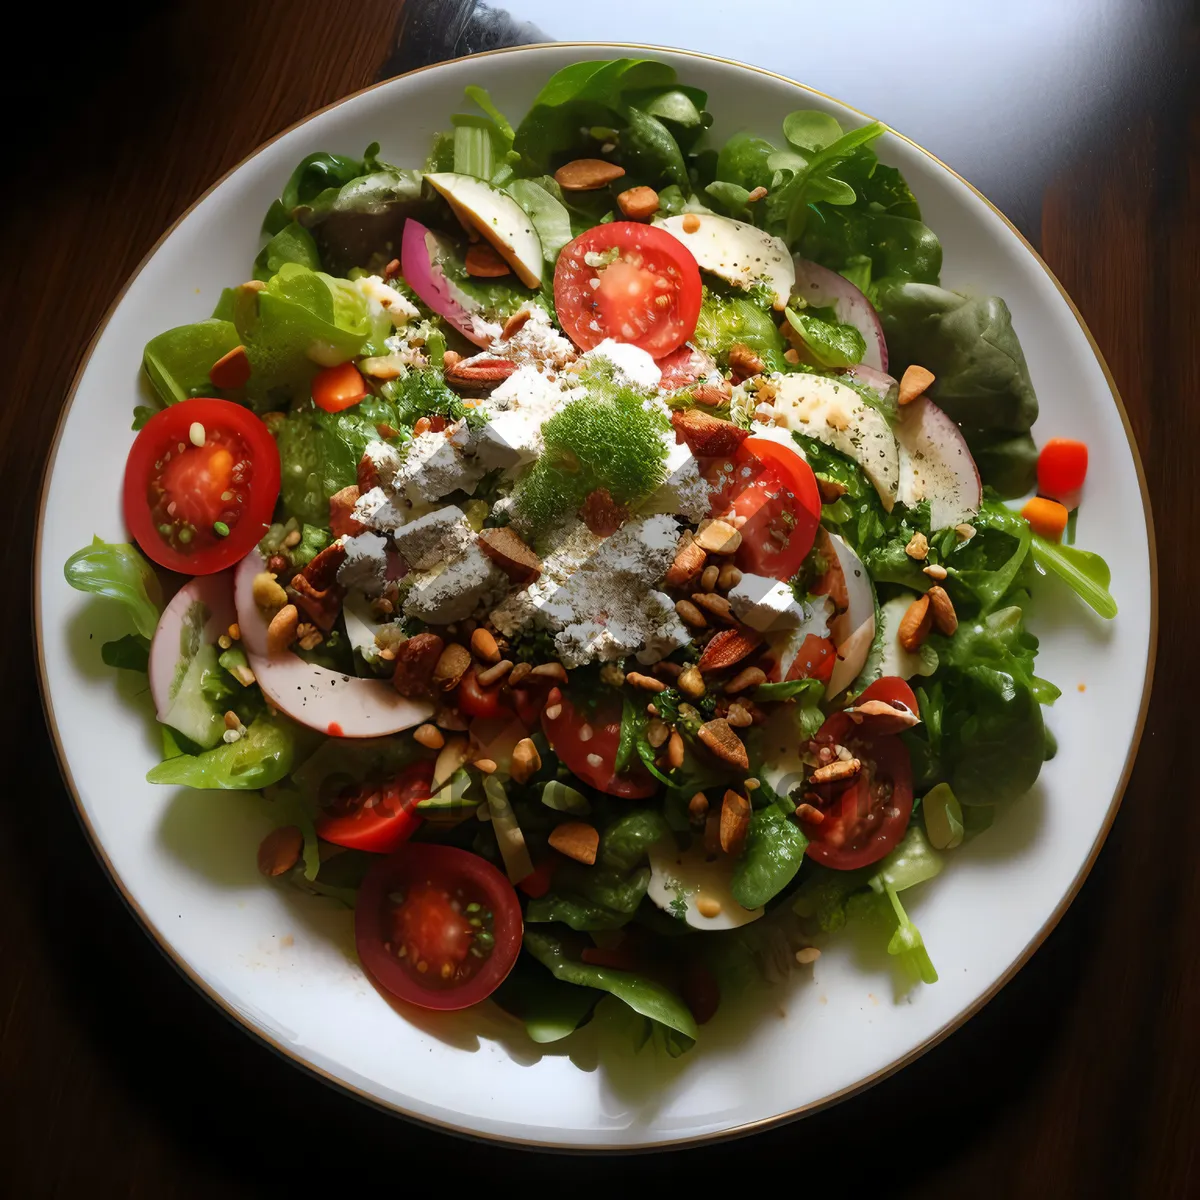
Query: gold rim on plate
x,y
446,1126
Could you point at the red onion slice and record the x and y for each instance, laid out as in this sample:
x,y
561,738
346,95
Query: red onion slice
x,y
823,288
421,270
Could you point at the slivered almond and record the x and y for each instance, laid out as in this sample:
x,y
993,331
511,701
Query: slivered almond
x,y
735,821
914,383
281,633
483,262
718,736
587,174
526,761
915,624
231,370
484,647
689,562
942,607
836,771
748,678
577,840
726,648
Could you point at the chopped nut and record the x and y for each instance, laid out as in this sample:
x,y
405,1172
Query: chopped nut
x,y
691,682
293,539
515,323
918,546
835,771
232,720
657,733
449,718
267,593
483,261
526,761
281,633
806,812
964,532
638,203
751,784
791,355
914,383
486,765
713,604
308,637
728,647
915,624
551,670
280,850
935,571
484,647
942,607
577,840
756,194
452,664
717,537
689,614
728,577
587,175
831,491
667,670
602,514
807,955
415,661
746,678
691,223
719,737
698,806
743,361
429,736
646,682
518,673
735,821
709,394
675,750
739,716
709,577
689,562
450,360
494,673
506,549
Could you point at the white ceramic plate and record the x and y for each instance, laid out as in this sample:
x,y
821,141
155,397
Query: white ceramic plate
x,y
283,964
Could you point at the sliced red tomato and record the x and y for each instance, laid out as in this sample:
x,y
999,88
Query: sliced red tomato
x,y
475,700
863,818
683,367
644,289
377,817
586,739
776,491
201,483
437,926
815,659
337,388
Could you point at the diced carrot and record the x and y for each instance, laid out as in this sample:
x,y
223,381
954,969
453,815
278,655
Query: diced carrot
x,y
1047,518
231,370
1061,469
338,387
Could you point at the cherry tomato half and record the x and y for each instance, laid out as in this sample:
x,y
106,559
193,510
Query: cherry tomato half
x,y
776,491
587,740
201,483
337,388
864,817
684,367
474,700
437,926
1061,469
645,289
377,817
894,692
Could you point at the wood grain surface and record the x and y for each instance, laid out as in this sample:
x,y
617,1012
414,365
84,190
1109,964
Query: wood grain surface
x,y
1082,1078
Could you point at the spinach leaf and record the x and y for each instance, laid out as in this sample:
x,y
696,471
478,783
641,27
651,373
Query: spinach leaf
x,y
982,380
829,342
551,1010
292,244
178,361
742,162
625,843
630,723
542,201
262,756
989,565
577,911
770,859
117,570
313,175
130,653
649,151
857,516
806,690
1086,573
644,996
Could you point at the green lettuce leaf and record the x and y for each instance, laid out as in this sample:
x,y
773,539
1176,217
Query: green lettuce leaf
x,y
1084,572
178,361
117,570
262,756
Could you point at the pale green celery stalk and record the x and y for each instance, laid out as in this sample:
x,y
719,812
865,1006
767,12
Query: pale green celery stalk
x,y
473,152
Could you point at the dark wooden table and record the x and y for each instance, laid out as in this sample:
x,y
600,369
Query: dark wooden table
x,y
1081,119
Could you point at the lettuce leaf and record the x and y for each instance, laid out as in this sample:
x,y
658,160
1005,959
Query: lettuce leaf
x,y
117,570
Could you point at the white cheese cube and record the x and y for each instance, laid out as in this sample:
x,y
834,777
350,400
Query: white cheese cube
x,y
684,491
378,510
662,630
434,468
383,298
365,566
453,591
631,364
765,604
440,536
510,439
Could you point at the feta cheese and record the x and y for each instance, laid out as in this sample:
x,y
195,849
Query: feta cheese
x,y
527,388
382,298
376,509
434,468
386,460
663,631
537,341
452,591
764,603
365,566
630,363
509,440
440,536
639,553
684,491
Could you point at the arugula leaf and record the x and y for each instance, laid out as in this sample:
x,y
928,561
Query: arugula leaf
x,y
644,996
769,861
1086,573
118,571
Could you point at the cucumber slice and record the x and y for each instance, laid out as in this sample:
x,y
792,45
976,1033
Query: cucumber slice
x,y
191,712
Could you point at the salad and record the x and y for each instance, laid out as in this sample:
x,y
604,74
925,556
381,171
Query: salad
x,y
592,545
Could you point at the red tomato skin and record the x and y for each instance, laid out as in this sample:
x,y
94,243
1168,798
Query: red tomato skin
x,y
476,701
450,868
338,388
883,822
622,307
562,731
815,659
164,432
538,883
1061,470
378,830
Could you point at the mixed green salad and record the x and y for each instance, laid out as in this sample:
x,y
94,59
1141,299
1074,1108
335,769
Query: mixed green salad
x,y
592,544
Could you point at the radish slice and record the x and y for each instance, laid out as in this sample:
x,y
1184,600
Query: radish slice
x,y
822,288
853,629
882,384
936,465
421,252
336,704
201,611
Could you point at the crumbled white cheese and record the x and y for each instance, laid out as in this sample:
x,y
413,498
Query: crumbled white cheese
x,y
631,363
454,590
434,468
684,491
440,536
527,388
537,341
509,440
764,603
386,459
377,509
664,631
365,566
383,298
